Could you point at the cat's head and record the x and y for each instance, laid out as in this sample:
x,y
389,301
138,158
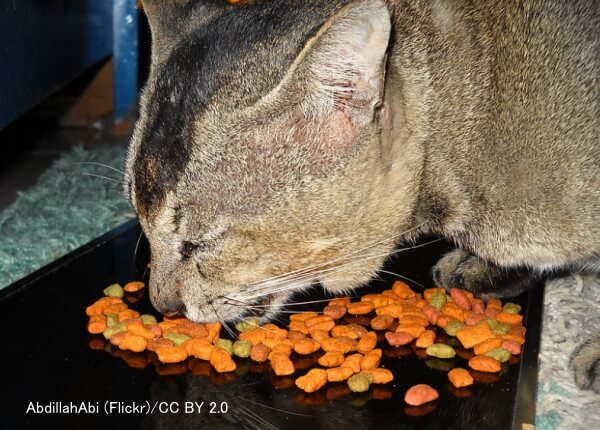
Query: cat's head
x,y
257,166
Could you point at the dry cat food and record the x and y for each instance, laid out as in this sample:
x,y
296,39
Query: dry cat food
x,y
344,344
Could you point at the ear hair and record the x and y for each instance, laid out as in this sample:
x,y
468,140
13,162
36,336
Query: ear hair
x,y
346,66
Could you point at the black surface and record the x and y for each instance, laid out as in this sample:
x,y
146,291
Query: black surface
x,y
46,356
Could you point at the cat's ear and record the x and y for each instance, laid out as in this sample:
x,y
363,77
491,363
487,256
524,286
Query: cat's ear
x,y
170,19
342,68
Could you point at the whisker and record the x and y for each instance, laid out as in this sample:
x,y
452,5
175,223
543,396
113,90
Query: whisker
x,y
102,177
104,165
137,245
402,277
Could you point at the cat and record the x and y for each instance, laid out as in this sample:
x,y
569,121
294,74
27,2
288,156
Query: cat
x,y
285,143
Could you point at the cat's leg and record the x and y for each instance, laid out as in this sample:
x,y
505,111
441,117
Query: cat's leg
x,y
461,269
585,363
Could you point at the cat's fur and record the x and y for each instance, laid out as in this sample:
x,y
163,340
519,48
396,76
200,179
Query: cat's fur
x,y
308,138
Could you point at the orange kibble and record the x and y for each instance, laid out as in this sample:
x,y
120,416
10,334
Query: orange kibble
x,y
171,354
509,336
452,310
431,313
414,318
402,290
335,311
487,345
306,346
381,322
483,363
335,344
281,348
274,332
337,374
426,339
321,322
473,318
512,319
420,394
259,353
298,326
494,303
344,330
377,299
254,336
282,365
294,335
460,377
318,334
460,298
127,314
394,310
156,343
381,375
415,330
117,338
138,328
429,292
398,339
312,381
353,362
371,360
221,360
470,336
96,324
214,330
132,287
477,306
98,306
133,343
199,348
331,359
303,316
360,308
114,308
191,329
367,342
343,301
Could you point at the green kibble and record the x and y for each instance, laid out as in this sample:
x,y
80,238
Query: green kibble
x,y
241,348
440,350
497,327
176,338
225,344
148,319
114,290
360,382
441,365
248,324
511,308
500,354
111,319
114,329
452,327
438,300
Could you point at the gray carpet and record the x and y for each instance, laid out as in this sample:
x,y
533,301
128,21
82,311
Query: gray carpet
x,y
69,207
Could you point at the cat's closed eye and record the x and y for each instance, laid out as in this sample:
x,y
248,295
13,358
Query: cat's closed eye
x,y
188,248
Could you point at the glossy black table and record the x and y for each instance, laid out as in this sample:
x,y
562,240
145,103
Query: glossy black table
x,y
55,375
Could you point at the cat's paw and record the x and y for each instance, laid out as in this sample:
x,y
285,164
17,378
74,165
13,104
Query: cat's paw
x,y
460,269
585,363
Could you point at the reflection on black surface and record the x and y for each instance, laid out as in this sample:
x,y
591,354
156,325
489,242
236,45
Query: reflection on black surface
x,y
49,357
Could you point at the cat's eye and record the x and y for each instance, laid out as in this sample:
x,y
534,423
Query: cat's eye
x,y
187,248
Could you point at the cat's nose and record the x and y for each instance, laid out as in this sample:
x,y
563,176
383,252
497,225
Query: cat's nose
x,y
169,305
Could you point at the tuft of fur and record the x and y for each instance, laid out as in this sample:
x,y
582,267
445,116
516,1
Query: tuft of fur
x,y
284,143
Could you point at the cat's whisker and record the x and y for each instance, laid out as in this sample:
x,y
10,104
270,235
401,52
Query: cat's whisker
x,y
402,277
291,284
137,245
393,237
261,421
92,163
101,177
